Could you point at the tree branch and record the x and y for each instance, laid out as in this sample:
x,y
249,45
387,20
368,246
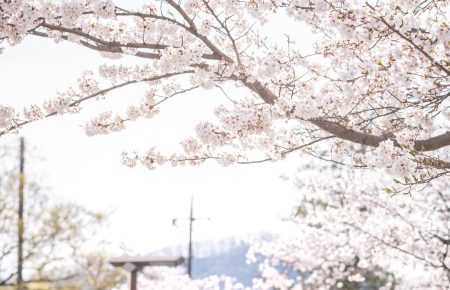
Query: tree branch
x,y
99,93
351,135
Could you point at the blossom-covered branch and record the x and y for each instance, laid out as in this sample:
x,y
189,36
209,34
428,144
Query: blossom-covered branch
x,y
376,75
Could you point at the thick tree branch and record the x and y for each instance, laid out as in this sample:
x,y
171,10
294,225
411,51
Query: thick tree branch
x,y
85,35
351,135
112,46
102,48
191,28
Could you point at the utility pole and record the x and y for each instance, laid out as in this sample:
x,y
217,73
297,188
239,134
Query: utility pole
x,y
20,224
191,219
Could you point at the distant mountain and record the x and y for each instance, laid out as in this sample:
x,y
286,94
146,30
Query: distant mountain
x,y
228,257
231,263
222,257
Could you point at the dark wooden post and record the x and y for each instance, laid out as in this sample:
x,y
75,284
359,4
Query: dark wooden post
x,y
20,220
133,279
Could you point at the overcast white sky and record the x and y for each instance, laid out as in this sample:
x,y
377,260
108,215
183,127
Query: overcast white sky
x,y
240,199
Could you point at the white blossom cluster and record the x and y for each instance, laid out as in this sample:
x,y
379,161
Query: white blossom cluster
x,y
32,113
397,160
172,279
116,73
59,105
6,116
104,8
105,123
18,17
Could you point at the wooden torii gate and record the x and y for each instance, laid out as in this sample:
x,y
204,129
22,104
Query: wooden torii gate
x,y
136,264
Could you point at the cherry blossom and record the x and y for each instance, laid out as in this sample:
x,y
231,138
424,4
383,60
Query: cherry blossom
x,y
375,74
371,93
355,235
171,279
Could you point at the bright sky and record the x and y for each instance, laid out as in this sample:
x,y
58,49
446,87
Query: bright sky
x,y
239,199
